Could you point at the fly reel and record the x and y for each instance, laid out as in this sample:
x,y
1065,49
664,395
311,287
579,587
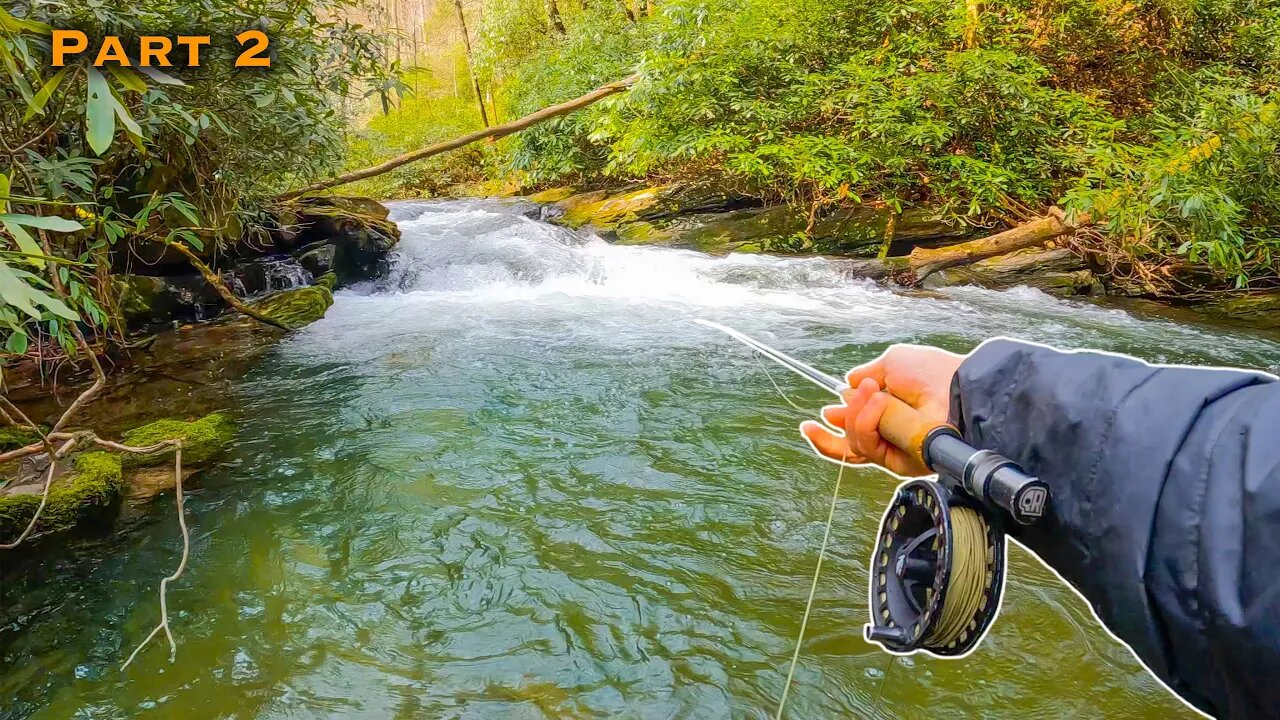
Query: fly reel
x,y
937,575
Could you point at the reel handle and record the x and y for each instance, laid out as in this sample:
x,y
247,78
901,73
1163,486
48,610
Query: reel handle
x,y
986,475
907,428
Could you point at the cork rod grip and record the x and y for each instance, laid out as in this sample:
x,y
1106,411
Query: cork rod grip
x,y
906,428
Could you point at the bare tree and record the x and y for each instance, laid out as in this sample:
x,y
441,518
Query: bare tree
x,y
475,81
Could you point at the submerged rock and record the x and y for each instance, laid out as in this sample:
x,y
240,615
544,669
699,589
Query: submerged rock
x,y
202,440
82,489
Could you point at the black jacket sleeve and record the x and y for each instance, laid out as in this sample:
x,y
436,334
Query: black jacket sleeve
x,y
1165,509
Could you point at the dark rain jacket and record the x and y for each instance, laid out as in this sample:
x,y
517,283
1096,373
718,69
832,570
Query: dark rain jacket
x,y
1165,509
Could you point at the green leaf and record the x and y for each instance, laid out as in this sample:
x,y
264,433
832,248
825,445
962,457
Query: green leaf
x,y
100,112
17,343
41,98
19,80
25,243
44,222
160,77
4,193
11,24
15,292
122,113
127,79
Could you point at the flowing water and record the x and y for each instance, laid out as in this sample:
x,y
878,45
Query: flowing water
x,y
515,480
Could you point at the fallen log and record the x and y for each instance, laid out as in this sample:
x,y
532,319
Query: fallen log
x,y
926,261
494,132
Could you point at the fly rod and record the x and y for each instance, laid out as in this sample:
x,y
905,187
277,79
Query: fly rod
x,y
986,475
937,572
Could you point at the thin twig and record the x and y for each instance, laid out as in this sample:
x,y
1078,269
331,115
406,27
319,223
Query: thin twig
x,y
44,496
182,565
99,377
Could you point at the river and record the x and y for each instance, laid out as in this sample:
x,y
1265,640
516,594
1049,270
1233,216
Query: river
x,y
515,480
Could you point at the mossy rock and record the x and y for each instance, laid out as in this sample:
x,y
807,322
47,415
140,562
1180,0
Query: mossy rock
x,y
327,281
354,204
91,486
12,438
1260,309
553,195
602,210
297,307
202,440
857,231
1057,271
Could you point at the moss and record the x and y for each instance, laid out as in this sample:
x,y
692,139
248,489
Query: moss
x,y
202,439
297,307
12,438
601,210
552,195
91,486
327,281
138,294
1261,309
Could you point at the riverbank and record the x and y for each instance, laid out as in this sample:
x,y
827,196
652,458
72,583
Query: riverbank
x,y
189,372
184,349
711,220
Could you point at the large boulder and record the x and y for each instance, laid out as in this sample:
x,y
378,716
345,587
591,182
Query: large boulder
x,y
357,228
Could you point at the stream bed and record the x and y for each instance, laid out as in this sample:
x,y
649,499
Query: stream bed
x,y
513,479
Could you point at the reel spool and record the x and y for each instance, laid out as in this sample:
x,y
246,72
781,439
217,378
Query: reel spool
x,y
937,575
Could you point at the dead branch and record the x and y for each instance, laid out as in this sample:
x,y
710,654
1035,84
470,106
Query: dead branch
x,y
495,132
212,278
926,261
182,564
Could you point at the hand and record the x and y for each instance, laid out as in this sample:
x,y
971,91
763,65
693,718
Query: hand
x,y
918,375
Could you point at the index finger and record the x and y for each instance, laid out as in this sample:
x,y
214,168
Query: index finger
x,y
874,370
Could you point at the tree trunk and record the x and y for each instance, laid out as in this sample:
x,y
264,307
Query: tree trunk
x,y
510,128
626,10
925,261
553,14
475,81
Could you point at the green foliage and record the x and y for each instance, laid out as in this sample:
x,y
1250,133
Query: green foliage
x,y
202,440
97,161
432,115
984,111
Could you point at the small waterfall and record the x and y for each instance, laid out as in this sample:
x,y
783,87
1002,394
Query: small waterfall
x,y
261,276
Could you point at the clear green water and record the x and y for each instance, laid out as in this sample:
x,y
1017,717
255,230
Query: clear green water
x,y
517,482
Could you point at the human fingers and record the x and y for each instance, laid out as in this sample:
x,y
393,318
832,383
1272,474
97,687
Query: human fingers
x,y
875,370
828,444
863,428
